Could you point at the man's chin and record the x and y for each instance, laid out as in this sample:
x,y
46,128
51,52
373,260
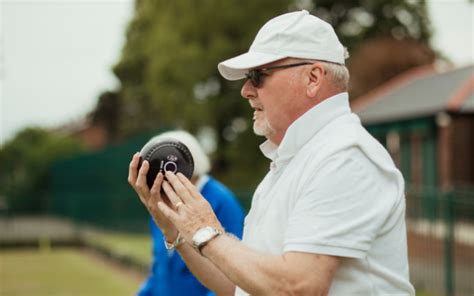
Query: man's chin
x,y
259,132
264,131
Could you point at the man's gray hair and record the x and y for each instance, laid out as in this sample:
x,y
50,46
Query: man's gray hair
x,y
338,74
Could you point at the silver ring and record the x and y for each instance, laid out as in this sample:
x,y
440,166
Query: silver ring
x,y
178,205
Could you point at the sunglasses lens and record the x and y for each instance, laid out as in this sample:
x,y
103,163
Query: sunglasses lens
x,y
255,78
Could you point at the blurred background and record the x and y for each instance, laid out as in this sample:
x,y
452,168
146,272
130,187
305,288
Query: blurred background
x,y
84,84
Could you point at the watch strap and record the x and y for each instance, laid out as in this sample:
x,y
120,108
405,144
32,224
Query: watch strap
x,y
178,242
200,246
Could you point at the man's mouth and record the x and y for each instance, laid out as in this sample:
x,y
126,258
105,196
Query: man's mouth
x,y
256,108
256,112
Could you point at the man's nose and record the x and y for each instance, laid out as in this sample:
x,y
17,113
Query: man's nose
x,y
248,91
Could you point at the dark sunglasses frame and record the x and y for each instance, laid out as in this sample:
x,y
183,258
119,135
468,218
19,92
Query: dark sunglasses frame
x,y
256,75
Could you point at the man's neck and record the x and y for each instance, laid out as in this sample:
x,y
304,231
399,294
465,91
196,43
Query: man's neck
x,y
277,138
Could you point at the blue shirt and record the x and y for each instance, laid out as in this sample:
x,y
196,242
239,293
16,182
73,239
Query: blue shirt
x,y
169,274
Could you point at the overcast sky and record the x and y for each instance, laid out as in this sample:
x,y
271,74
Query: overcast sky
x,y
56,56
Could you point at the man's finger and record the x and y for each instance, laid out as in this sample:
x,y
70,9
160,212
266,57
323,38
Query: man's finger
x,y
156,188
189,186
132,169
141,180
172,196
179,188
167,212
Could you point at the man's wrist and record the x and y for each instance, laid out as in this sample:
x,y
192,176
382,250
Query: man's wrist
x,y
218,243
171,245
209,245
204,235
170,236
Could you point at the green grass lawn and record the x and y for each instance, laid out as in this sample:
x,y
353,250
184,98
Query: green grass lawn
x,y
134,246
57,272
72,272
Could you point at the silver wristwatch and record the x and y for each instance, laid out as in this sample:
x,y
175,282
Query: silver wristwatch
x,y
203,236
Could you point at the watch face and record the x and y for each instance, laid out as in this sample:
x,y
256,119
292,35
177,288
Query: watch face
x,y
203,235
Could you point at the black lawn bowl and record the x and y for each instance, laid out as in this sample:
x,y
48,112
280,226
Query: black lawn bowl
x,y
165,156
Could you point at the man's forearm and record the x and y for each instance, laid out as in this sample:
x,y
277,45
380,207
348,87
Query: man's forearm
x,y
254,272
205,271
257,273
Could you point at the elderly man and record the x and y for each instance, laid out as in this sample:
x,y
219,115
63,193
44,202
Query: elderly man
x,y
328,218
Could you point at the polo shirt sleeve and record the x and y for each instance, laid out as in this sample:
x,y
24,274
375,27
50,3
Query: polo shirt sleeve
x,y
342,207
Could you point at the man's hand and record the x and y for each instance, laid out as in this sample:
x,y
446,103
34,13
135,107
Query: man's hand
x,y
151,197
189,210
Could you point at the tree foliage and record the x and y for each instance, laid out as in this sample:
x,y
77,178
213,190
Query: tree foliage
x,y
385,38
24,170
107,113
356,21
168,70
169,75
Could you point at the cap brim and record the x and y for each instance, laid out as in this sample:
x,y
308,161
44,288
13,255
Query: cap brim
x,y
236,67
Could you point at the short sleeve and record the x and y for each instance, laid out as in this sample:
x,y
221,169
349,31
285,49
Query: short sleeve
x,y
342,207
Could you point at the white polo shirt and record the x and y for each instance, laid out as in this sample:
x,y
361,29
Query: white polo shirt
x,y
333,189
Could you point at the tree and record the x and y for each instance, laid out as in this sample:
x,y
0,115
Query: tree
x,y
357,21
25,167
168,69
107,113
384,38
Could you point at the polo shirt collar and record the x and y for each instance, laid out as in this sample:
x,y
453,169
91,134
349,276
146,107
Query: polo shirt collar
x,y
306,126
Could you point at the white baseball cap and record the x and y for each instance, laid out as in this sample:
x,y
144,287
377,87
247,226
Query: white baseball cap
x,y
291,35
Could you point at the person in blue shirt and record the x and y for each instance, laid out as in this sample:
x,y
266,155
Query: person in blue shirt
x,y
169,275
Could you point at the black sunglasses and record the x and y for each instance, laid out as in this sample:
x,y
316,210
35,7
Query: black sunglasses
x,y
256,75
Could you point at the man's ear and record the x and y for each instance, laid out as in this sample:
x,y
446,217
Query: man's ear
x,y
316,78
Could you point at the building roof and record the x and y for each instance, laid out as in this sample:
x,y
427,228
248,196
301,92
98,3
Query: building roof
x,y
419,92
